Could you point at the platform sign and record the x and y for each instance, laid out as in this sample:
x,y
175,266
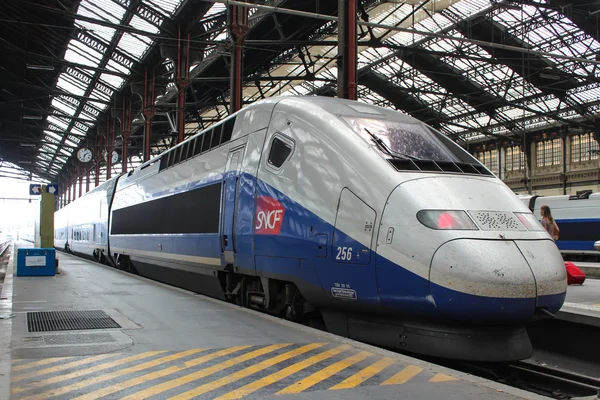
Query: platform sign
x,y
52,188
35,189
35,261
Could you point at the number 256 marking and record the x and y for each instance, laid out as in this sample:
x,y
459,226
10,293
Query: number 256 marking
x,y
344,253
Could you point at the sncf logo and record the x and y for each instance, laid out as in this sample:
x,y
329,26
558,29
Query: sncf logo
x,y
269,216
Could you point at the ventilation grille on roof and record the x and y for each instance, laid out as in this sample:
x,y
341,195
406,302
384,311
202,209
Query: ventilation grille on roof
x,y
402,164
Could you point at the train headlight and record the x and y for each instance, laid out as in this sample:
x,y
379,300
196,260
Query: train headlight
x,y
446,220
530,222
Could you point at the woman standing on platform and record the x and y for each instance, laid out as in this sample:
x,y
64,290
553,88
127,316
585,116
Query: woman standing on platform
x,y
549,223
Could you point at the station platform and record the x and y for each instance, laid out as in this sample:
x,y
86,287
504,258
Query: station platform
x,y
133,338
590,269
582,303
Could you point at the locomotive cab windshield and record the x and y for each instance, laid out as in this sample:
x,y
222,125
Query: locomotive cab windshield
x,y
414,146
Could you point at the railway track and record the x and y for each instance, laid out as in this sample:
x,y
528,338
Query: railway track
x,y
566,342
3,247
552,382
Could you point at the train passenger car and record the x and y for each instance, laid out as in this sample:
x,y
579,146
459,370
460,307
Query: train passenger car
x,y
82,226
578,218
61,229
315,208
308,207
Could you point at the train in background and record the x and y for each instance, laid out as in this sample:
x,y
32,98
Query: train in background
x,y
323,210
578,218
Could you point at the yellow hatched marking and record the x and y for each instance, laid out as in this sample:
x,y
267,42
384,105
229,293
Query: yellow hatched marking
x,y
83,372
284,373
116,374
403,376
246,372
163,387
158,374
364,374
443,378
60,367
34,364
324,373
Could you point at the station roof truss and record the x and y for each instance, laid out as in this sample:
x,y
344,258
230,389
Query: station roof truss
x,y
474,69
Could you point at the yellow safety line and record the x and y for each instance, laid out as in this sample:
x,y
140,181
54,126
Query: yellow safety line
x,y
246,372
103,378
154,390
403,376
443,378
83,372
325,373
284,373
364,374
60,367
158,374
45,361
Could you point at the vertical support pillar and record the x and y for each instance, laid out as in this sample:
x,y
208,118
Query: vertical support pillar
x,y
499,150
181,85
528,164
68,192
238,28
110,133
97,158
564,161
87,181
148,112
125,131
347,49
46,219
80,179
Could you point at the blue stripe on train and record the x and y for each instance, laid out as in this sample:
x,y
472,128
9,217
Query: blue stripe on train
x,y
295,252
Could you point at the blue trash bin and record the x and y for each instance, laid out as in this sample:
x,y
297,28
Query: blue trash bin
x,y
36,262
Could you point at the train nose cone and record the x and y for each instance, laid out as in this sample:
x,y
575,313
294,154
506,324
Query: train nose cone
x,y
483,281
548,267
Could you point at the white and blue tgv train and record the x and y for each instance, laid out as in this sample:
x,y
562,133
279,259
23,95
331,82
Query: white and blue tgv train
x,y
578,218
310,207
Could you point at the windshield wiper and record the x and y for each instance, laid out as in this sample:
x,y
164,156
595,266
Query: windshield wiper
x,y
381,144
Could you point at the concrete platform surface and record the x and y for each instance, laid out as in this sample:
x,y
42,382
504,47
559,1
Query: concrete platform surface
x,y
590,269
582,304
176,344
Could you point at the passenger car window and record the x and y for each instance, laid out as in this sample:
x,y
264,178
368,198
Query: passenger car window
x,y
279,152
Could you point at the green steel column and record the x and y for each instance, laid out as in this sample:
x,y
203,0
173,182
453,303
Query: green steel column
x,y
47,219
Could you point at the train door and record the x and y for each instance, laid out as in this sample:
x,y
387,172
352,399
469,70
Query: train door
x,y
230,194
353,267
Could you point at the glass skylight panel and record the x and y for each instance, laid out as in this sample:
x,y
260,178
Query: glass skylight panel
x,y
134,45
115,82
99,106
69,143
67,86
52,135
83,54
58,122
587,95
143,25
49,146
432,24
466,8
116,67
103,32
106,10
217,8
166,6
98,95
66,151
74,139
